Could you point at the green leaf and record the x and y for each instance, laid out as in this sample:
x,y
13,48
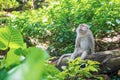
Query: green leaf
x,y
20,52
10,37
2,46
12,59
3,74
32,69
36,54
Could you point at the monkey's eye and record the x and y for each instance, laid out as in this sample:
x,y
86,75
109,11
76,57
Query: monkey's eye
x,y
83,29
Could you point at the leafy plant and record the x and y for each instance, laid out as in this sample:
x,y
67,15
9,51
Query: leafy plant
x,y
8,4
22,63
80,69
31,68
56,23
10,38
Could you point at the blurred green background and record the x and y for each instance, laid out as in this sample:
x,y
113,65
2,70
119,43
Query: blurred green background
x,y
53,22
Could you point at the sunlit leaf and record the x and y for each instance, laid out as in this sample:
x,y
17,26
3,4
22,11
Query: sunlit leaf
x,y
11,37
12,59
2,46
32,68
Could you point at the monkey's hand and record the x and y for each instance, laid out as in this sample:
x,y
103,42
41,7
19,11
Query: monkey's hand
x,y
73,56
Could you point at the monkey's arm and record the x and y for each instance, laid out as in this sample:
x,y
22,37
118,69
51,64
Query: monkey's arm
x,y
84,55
92,43
77,45
60,59
76,49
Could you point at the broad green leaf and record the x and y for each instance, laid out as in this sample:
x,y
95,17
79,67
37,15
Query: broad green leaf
x,y
2,46
3,74
12,59
20,52
32,69
11,37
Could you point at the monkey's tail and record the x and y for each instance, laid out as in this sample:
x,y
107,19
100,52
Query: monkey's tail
x,y
60,59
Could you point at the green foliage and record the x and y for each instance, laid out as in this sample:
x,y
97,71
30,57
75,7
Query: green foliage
x,y
57,21
80,70
34,66
5,4
31,68
10,38
21,63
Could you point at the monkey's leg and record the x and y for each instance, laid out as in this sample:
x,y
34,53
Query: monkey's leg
x,y
73,55
60,59
76,53
84,55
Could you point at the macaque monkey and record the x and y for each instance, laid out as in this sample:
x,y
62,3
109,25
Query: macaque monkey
x,y
84,44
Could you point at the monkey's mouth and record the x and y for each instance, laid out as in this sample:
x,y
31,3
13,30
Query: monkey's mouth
x,y
82,30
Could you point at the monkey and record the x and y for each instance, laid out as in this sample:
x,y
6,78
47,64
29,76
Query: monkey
x,y
84,42
84,45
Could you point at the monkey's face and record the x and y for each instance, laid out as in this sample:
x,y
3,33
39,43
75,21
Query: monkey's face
x,y
83,28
